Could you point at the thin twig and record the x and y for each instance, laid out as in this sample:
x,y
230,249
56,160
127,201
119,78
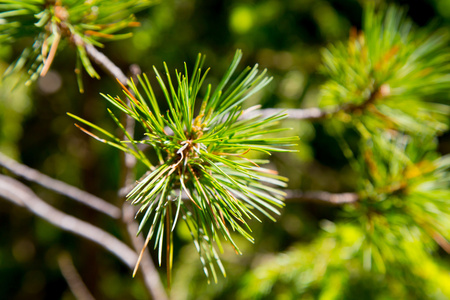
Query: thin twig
x,y
73,278
18,193
109,67
293,113
431,231
59,187
321,196
105,63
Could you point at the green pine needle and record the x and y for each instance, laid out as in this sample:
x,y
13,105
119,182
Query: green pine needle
x,y
204,177
391,75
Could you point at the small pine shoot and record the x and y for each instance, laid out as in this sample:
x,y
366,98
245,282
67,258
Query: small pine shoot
x,y
203,177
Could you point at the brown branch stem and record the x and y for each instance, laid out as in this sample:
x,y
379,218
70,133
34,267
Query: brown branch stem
x,y
299,114
321,197
19,194
293,113
59,187
105,63
73,278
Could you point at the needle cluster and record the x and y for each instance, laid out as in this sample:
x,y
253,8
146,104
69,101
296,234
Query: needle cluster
x,y
203,176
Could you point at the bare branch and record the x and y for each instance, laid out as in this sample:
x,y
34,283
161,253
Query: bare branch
x,y
76,284
293,113
105,63
18,193
431,231
321,196
59,187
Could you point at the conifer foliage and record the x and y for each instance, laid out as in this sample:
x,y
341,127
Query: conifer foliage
x,y
390,75
202,158
203,153
51,22
390,84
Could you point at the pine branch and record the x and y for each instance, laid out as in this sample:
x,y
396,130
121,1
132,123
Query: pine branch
x,y
60,187
206,164
73,278
19,194
79,22
391,75
321,197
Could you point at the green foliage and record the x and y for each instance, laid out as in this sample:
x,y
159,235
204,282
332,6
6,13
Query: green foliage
x,y
404,189
330,268
201,152
389,85
49,22
387,82
383,246
386,238
390,76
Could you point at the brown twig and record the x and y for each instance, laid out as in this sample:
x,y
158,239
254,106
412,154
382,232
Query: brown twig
x,y
441,241
299,114
105,63
59,187
293,113
111,69
321,196
73,278
18,193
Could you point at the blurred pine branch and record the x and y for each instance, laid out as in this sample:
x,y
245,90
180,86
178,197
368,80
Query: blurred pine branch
x,y
77,22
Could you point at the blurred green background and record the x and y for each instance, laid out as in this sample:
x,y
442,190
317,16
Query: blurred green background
x,y
283,36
